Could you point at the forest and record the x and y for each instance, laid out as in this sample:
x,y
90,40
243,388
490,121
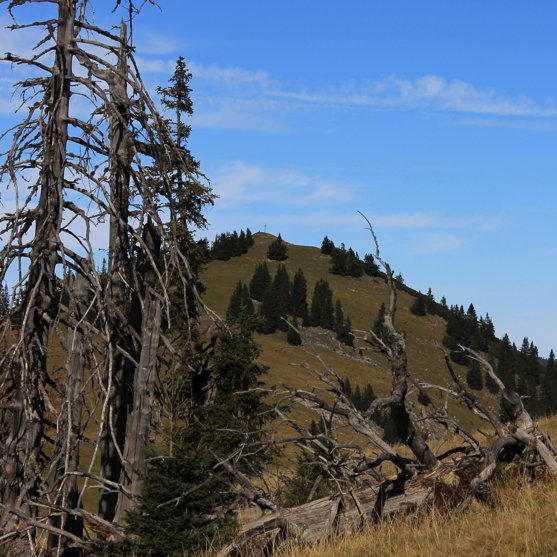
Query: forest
x,y
136,419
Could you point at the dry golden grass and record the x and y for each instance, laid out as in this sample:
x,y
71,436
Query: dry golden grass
x,y
521,522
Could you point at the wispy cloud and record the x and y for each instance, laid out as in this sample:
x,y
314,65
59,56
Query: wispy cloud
x,y
421,219
157,44
508,124
240,183
430,91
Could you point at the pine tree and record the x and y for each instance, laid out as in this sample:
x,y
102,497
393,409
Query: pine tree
x,y
190,479
549,386
354,267
278,250
378,327
242,242
293,336
269,311
339,261
276,302
370,267
419,306
339,319
235,303
299,305
474,376
327,246
322,310
249,238
430,302
260,282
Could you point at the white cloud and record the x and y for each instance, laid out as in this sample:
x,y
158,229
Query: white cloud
x,y
158,45
428,91
241,183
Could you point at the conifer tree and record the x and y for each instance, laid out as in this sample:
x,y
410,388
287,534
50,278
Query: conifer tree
x,y
299,305
260,282
235,303
419,306
278,250
378,327
354,267
322,309
339,261
249,238
370,267
327,246
474,376
430,302
195,488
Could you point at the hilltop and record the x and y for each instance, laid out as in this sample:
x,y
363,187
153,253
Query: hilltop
x,y
361,299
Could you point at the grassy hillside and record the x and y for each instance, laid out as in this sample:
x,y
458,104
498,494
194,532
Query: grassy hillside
x,y
361,299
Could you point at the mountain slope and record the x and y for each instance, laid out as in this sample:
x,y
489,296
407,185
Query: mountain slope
x,y
361,299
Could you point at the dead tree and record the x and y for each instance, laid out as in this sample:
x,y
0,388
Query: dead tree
x,y
91,170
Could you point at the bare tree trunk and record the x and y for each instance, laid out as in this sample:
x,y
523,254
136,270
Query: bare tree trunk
x,y
144,382
120,370
24,447
69,429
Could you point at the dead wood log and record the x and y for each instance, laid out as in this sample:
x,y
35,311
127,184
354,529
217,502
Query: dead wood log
x,y
319,519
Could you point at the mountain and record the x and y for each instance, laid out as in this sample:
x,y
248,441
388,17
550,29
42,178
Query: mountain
x,y
361,299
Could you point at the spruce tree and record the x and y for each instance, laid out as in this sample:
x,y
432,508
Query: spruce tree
x,y
419,306
299,305
278,250
235,303
378,327
179,510
327,246
249,238
370,267
260,282
339,261
269,311
430,302
474,376
354,267
322,309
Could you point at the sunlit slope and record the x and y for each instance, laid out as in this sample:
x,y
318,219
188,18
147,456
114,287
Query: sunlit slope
x,y
361,299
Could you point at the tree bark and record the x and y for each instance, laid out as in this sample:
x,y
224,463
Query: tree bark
x,y
23,454
121,368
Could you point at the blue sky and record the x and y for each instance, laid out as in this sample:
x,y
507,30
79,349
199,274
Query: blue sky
x,y
438,120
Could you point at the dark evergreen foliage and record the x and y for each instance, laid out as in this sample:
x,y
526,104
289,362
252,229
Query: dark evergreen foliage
x,y
370,267
230,244
322,311
293,336
327,246
298,301
343,326
177,514
474,376
419,305
276,302
278,250
430,304
240,303
260,282
378,325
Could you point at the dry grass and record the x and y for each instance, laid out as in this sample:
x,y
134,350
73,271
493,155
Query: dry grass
x,y
522,521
